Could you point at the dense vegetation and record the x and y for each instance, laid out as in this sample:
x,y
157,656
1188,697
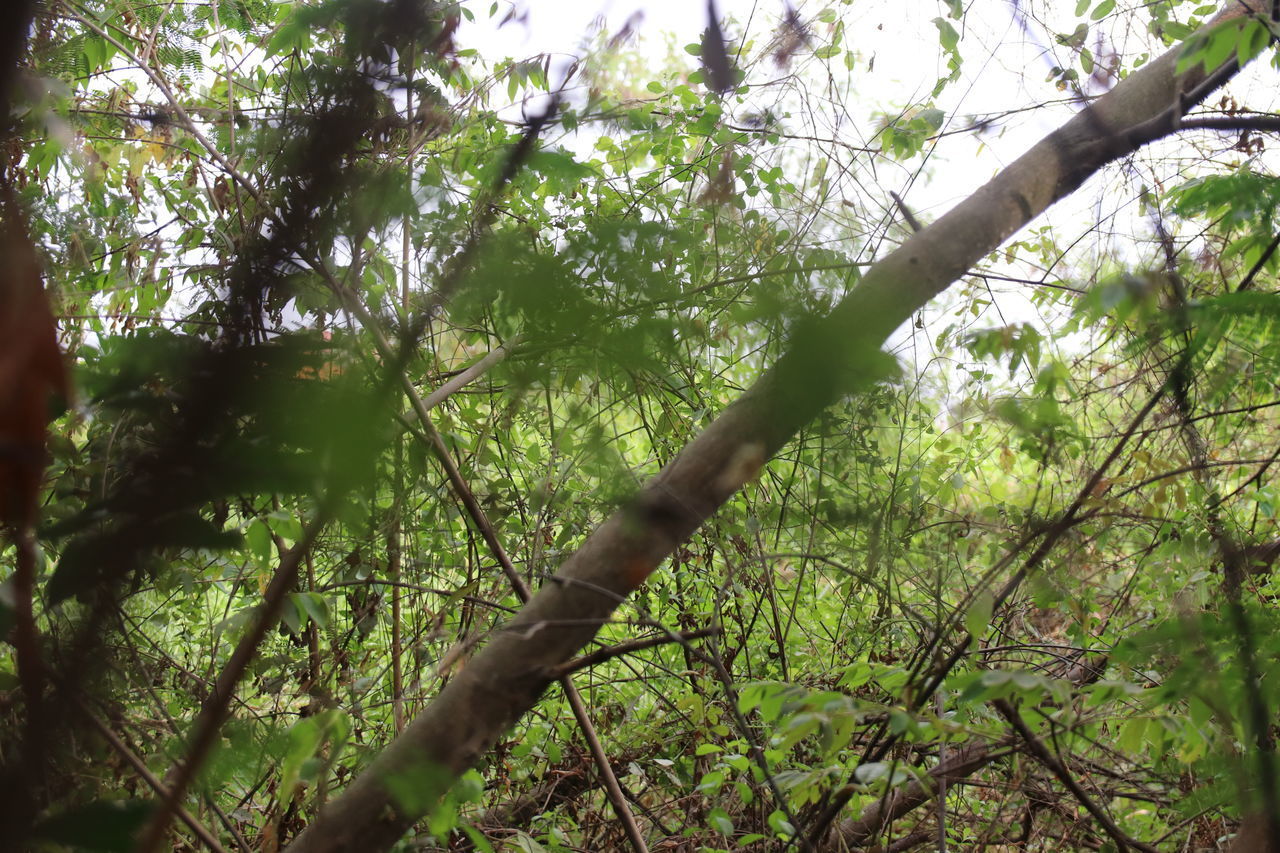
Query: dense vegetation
x,y
366,336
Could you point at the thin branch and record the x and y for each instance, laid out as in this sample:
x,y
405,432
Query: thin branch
x,y
742,279
907,215
471,374
1261,124
599,656
964,761
447,593
1247,281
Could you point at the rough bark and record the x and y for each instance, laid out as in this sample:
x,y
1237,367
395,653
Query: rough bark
x,y
827,361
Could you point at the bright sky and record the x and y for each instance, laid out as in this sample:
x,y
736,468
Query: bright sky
x,y
556,26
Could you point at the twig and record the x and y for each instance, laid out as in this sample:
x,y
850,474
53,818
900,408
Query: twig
x,y
469,375
631,646
1262,124
1247,281
965,760
906,212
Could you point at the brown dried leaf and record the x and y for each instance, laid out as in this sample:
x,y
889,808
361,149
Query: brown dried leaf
x,y
31,370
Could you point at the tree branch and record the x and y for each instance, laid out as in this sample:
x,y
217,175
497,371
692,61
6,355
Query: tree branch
x,y
960,764
599,656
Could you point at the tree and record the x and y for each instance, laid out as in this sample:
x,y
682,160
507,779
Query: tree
x,y
231,427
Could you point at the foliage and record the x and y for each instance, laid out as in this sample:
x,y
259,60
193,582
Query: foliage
x,y
261,221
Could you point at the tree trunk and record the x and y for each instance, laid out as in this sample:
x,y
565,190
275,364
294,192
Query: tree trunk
x,y
838,354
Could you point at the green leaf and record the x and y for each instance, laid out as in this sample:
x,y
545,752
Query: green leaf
x,y
778,822
469,788
304,739
1222,43
559,165
932,117
257,537
871,772
1133,734
719,821
291,616
977,619
1253,40
313,604
711,782
101,556
948,37
525,843
285,524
